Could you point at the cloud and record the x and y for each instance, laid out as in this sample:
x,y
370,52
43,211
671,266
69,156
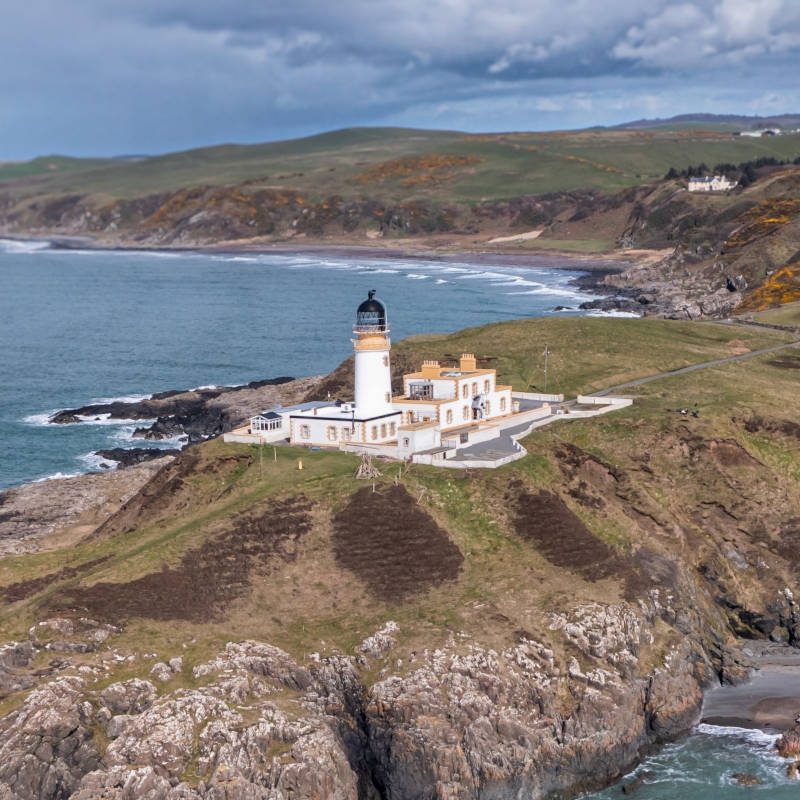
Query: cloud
x,y
153,75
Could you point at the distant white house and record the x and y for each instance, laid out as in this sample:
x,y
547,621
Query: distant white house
x,y
713,183
762,132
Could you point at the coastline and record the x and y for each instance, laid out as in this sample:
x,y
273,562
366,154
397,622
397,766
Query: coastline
x,y
769,700
613,262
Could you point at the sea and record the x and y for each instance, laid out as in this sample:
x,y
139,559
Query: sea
x,y
85,326
704,766
80,326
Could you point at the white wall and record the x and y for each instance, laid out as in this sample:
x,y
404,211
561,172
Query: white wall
x,y
373,382
418,439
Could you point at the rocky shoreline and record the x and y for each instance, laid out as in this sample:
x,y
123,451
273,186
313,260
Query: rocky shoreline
x,y
196,414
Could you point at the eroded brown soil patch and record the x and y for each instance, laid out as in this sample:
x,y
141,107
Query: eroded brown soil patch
x,y
757,424
560,536
392,544
785,362
23,589
207,577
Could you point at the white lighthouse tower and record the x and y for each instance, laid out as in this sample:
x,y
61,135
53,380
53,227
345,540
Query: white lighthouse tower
x,y
373,378
370,419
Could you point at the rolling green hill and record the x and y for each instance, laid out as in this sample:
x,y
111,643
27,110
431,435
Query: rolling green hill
x,y
398,163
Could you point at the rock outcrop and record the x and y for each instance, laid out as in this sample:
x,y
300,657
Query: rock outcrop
x,y
460,722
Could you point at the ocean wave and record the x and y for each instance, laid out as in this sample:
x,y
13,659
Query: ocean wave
x,y
751,735
40,419
554,291
127,398
57,476
485,275
236,259
417,276
377,271
18,246
516,280
441,280
95,462
107,419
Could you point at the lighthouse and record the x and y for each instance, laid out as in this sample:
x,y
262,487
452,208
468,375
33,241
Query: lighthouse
x,y
373,377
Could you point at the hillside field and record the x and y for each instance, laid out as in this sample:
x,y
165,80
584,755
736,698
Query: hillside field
x,y
396,163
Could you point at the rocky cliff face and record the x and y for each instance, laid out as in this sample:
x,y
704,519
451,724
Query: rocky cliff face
x,y
462,721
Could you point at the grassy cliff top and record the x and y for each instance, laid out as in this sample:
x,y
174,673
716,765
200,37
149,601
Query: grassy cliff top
x,y
233,541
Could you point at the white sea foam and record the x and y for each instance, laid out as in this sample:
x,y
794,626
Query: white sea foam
x,y
207,386
40,419
441,280
417,276
16,246
94,462
378,271
517,281
484,275
57,476
107,419
751,735
128,398
554,290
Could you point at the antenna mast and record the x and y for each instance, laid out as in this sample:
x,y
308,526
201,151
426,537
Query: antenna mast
x,y
546,355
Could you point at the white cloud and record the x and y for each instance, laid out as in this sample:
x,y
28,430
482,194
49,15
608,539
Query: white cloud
x,y
153,75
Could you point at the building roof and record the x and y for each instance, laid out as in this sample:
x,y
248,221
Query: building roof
x,y
278,410
447,373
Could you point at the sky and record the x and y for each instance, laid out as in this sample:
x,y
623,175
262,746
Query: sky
x,y
113,77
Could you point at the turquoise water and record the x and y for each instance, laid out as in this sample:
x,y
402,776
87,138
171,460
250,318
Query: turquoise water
x,y
77,326
702,766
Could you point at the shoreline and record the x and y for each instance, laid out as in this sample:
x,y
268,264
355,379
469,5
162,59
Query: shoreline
x,y
769,700
606,263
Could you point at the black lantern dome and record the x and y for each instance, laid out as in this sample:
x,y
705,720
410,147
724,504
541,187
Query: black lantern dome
x,y
371,314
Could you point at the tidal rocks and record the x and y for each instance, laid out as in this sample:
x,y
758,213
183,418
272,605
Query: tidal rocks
x,y
126,457
788,745
195,414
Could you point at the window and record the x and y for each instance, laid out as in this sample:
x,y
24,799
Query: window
x,y
502,404
406,441
392,428
465,391
486,386
487,409
474,389
420,391
347,434
386,361
330,431
388,397
374,432
465,413
383,430
449,416
305,432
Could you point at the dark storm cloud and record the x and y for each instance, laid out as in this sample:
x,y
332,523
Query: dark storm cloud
x,y
150,75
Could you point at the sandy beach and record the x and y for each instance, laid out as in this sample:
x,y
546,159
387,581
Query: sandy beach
x,y
615,261
769,701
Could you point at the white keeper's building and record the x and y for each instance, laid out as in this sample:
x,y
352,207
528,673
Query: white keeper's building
x,y
437,401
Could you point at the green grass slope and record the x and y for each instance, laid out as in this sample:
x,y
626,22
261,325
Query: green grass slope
x,y
232,542
440,165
